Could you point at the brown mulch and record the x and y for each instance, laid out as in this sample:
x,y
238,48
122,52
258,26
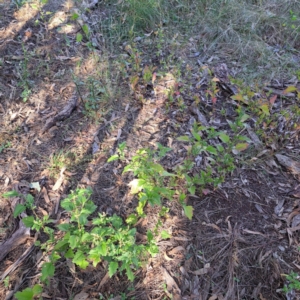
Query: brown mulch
x,y
243,236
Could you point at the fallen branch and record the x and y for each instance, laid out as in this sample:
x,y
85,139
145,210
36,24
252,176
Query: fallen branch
x,y
19,260
19,237
291,165
65,113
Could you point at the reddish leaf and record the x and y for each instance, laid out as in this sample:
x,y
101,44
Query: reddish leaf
x,y
153,77
206,191
273,99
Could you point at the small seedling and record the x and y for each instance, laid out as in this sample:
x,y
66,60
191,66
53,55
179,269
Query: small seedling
x,y
4,146
120,153
293,282
6,281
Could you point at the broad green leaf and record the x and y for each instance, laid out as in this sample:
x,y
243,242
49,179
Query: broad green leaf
x,y
162,150
182,197
183,138
69,254
29,201
60,244
67,204
112,268
196,135
153,249
94,257
74,17
37,289
220,148
128,169
55,256
113,158
63,227
157,167
188,210
140,208
132,219
78,37
167,174
224,138
73,241
85,29
244,138
129,273
86,237
212,150
241,146
47,270
82,219
154,197
136,185
26,294
116,221
244,118
10,194
28,221
80,260
165,235
19,209
149,236
265,109
102,249
192,190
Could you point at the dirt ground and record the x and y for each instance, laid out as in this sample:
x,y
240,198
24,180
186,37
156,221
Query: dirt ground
x,y
243,238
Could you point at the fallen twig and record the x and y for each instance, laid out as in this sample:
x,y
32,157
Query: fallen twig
x,y
65,113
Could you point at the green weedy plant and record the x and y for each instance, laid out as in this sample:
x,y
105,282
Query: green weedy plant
x,y
152,183
23,72
109,240
219,153
93,101
5,145
120,153
293,282
221,160
28,202
30,293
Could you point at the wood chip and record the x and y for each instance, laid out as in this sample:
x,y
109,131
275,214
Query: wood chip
x,y
45,194
104,280
176,250
291,165
81,296
60,180
19,237
172,286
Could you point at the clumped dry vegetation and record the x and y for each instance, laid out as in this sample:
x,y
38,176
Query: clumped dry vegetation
x,y
149,149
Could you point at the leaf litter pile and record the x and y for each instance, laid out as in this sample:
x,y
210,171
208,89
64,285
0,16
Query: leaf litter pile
x,y
67,106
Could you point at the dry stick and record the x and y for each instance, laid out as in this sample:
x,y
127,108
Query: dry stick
x,y
65,113
19,237
19,260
